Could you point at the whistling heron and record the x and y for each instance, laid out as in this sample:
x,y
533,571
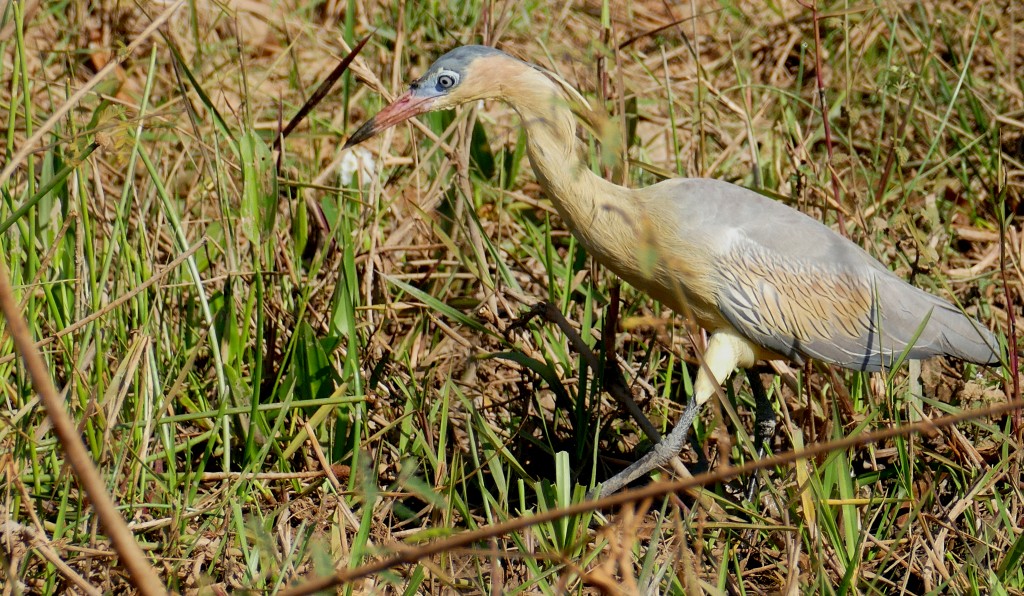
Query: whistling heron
x,y
764,279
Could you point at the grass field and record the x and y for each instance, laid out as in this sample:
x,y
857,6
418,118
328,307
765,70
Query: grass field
x,y
268,399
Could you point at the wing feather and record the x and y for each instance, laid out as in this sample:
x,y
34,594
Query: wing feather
x,y
795,287
862,318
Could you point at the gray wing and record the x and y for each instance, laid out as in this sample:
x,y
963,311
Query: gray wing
x,y
862,319
795,287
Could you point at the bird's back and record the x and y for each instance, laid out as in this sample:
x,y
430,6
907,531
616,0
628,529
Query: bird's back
x,y
796,288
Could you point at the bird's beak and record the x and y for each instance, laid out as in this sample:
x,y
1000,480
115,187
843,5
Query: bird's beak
x,y
400,110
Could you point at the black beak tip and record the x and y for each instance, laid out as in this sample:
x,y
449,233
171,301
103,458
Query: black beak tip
x,y
367,130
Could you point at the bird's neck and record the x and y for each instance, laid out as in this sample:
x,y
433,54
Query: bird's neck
x,y
557,156
616,225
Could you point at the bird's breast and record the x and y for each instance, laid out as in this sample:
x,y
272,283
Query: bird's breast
x,y
645,251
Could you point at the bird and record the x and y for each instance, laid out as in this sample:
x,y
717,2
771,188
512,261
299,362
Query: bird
x,y
764,280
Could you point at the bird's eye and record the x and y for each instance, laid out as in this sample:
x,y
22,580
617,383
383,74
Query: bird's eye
x,y
447,80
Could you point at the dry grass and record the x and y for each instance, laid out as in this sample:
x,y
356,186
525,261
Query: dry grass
x,y
277,405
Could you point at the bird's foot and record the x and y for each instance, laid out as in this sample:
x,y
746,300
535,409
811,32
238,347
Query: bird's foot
x,y
664,452
660,455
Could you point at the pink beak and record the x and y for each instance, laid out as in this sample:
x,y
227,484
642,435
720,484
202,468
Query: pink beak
x,y
400,110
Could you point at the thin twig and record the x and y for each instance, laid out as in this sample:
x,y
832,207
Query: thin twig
x,y
616,388
321,91
816,18
11,530
1011,321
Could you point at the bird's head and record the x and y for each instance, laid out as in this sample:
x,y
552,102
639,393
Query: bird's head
x,y
454,79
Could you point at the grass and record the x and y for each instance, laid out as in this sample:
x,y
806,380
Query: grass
x,y
268,400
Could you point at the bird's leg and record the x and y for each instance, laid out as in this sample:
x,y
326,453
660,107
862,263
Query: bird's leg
x,y
663,452
764,424
724,352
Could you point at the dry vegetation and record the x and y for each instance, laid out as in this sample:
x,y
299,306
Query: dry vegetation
x,y
287,398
